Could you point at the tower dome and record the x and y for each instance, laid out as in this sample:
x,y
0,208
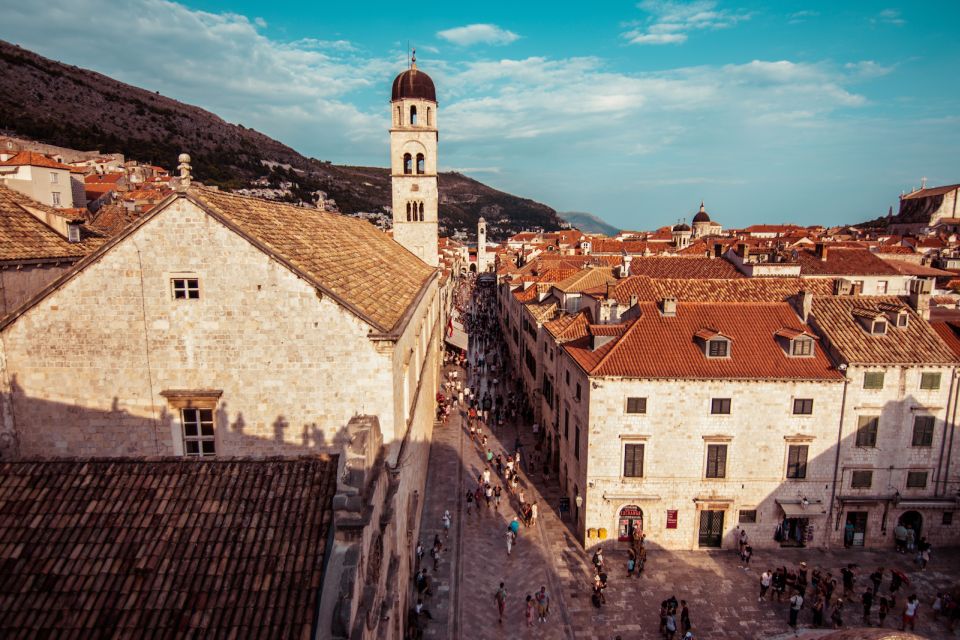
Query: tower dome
x,y
701,215
681,226
414,84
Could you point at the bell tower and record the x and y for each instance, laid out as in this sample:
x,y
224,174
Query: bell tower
x,y
413,163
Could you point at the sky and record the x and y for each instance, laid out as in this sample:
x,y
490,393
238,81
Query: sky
x,y
804,112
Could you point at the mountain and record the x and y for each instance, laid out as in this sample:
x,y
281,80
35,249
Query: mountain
x,y
72,107
588,223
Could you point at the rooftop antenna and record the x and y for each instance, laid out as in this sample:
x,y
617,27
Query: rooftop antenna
x,y
923,182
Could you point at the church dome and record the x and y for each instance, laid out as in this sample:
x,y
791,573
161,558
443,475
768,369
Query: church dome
x,y
701,215
682,226
415,84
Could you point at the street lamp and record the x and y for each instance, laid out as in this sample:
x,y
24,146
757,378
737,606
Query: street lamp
x,y
579,501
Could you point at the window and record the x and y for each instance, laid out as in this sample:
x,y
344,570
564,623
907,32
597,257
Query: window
x,y
720,406
633,461
867,431
881,286
577,395
930,381
568,377
413,114
55,198
408,211
797,461
873,380
923,431
747,516
801,347
716,461
636,405
186,288
420,163
576,443
916,480
947,517
861,479
902,320
421,212
803,406
566,423
54,177
399,116
717,348
878,327
407,164
198,439
429,119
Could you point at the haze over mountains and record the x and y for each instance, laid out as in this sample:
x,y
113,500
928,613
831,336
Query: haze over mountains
x,y
61,104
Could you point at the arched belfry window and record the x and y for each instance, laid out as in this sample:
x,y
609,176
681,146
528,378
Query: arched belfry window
x,y
420,163
429,119
399,116
421,212
407,163
413,114
409,208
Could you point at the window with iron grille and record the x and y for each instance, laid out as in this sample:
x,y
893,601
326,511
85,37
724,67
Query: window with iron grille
x,y
747,516
923,431
186,288
198,436
718,348
716,461
867,431
633,461
861,479
916,479
636,405
803,406
797,461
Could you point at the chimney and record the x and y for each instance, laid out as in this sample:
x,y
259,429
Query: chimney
x,y
805,304
627,260
668,307
820,250
920,297
743,251
717,249
610,287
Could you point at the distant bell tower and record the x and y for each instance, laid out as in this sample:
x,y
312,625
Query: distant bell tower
x,y
482,261
413,163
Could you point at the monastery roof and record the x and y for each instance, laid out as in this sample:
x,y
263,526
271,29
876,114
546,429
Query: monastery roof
x,y
733,290
917,343
348,257
843,261
932,191
586,279
24,237
684,267
213,548
656,346
34,159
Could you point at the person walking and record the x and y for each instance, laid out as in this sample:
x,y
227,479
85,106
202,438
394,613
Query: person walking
x,y
598,560
543,603
670,626
883,611
509,535
910,613
469,501
765,579
796,603
446,524
419,554
867,600
529,610
876,578
818,604
501,599
631,562
533,513
685,625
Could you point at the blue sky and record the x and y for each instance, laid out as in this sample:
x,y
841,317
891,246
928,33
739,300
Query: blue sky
x,y
807,112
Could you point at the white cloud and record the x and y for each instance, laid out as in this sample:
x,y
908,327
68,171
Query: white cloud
x,y
801,16
472,34
889,16
670,22
260,22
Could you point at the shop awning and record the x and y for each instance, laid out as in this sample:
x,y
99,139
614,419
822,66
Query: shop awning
x,y
457,338
927,504
799,510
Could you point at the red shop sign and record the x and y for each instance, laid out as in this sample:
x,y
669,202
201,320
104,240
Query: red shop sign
x,y
671,518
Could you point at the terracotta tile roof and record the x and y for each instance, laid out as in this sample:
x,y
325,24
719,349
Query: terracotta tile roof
x,y
655,346
917,343
894,249
34,159
24,237
586,279
735,290
947,221
569,327
932,191
103,178
843,261
111,219
913,269
543,311
949,332
168,548
772,228
684,267
346,256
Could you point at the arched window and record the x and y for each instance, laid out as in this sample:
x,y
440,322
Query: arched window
x,y
399,116
429,122
408,212
407,163
421,212
413,114
420,163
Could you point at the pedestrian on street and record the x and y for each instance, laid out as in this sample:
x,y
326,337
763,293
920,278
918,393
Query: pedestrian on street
x,y
766,578
631,562
419,553
435,554
501,598
446,524
598,560
685,625
818,604
510,537
884,610
836,616
670,627
497,491
796,603
529,611
910,613
848,576
867,600
543,603
876,578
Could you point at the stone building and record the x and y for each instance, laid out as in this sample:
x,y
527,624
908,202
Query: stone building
x,y
703,225
45,180
413,163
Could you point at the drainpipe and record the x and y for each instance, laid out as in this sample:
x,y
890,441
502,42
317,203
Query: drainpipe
x,y
953,429
947,424
836,463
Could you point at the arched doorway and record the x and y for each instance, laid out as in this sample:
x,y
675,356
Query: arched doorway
x,y
473,268
912,520
629,520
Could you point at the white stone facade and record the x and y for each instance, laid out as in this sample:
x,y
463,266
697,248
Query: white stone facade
x,y
413,168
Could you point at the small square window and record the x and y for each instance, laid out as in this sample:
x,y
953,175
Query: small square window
x,y
717,348
802,347
636,405
902,320
881,286
55,198
198,435
54,177
873,380
916,480
747,516
923,431
186,288
879,327
861,479
803,406
720,406
867,427
947,517
930,381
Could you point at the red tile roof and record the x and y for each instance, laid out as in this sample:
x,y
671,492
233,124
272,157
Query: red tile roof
x,y
165,547
843,261
684,267
569,327
655,346
24,237
34,159
913,269
735,290
103,178
949,332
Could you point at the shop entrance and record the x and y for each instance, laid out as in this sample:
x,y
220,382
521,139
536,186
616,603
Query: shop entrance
x,y
711,528
855,531
912,519
631,520
792,532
